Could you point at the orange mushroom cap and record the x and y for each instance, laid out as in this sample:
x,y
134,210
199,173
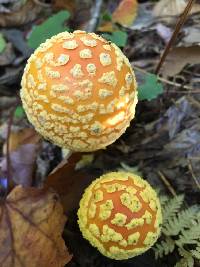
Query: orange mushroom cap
x,y
120,214
79,91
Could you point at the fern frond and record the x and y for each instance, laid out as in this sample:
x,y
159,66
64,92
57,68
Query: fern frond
x,y
187,259
163,199
191,236
171,208
185,262
196,252
164,247
180,229
182,220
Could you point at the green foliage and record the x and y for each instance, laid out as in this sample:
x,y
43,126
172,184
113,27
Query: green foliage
x,y
180,232
48,28
117,37
182,220
187,259
19,112
2,43
106,16
164,247
171,208
150,89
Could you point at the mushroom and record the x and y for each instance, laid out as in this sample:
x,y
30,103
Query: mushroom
x,y
120,215
79,91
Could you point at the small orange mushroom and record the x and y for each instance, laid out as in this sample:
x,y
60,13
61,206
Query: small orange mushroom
x,y
120,215
79,91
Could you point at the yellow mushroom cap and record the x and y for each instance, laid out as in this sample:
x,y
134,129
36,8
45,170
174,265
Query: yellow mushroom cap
x,y
79,91
120,215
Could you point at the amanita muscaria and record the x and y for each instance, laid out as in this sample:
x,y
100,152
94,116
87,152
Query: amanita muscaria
x,y
79,91
120,214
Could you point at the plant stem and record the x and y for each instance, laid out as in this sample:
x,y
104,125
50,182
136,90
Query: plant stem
x,y
178,26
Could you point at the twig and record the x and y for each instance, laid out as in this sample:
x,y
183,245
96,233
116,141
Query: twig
x,y
95,11
193,175
185,92
178,26
37,2
167,183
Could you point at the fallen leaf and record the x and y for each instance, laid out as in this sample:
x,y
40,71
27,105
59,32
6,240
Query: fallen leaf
x,y
126,12
2,43
191,36
31,225
106,26
150,89
168,143
168,9
25,142
22,137
164,32
178,58
68,182
144,17
48,28
69,5
20,13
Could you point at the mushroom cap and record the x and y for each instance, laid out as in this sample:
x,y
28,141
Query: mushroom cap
x,y
79,91
120,215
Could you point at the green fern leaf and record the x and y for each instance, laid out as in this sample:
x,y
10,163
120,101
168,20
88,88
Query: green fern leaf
x,y
182,220
172,207
196,252
187,259
191,236
189,262
163,199
164,248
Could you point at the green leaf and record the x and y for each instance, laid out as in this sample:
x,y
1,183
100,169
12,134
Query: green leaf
x,y
117,37
2,43
19,112
172,207
106,16
48,28
150,89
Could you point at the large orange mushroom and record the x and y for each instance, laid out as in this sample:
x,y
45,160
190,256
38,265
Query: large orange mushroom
x,y
120,214
79,91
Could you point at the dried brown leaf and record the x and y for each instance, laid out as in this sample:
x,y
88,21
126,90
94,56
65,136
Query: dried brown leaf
x,y
20,14
68,182
69,5
23,147
126,12
31,225
178,57
168,9
22,137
